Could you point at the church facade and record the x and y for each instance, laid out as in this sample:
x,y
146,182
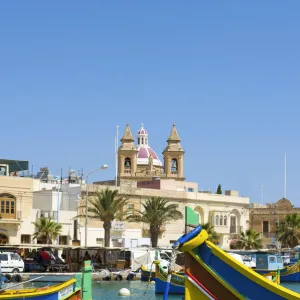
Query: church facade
x,y
140,162
141,175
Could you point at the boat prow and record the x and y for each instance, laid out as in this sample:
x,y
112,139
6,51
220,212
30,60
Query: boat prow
x,y
211,273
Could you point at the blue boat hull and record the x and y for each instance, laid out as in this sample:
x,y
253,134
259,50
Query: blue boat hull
x,y
287,278
160,287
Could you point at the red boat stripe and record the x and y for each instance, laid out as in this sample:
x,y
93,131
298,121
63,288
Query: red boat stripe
x,y
200,285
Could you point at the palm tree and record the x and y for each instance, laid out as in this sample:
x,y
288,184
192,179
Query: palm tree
x,y
106,208
156,212
47,230
249,239
212,235
288,230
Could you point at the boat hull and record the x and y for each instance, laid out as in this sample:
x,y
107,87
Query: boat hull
x,y
69,290
295,277
176,283
210,273
145,274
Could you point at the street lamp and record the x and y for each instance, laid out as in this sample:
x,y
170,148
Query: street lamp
x,y
87,196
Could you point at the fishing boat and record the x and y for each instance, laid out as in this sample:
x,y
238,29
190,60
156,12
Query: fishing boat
x,y
210,273
176,283
146,274
74,287
69,290
267,265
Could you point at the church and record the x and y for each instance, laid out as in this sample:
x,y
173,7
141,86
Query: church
x,y
141,163
142,175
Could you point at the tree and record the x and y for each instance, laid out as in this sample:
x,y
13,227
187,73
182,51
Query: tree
x,y
47,230
219,189
106,208
249,239
212,235
288,230
156,212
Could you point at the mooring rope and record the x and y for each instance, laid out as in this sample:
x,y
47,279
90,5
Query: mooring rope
x,y
170,269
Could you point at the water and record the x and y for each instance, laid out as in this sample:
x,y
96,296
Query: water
x,y
106,290
294,286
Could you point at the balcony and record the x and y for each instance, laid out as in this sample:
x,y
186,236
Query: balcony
x,y
268,235
236,229
11,218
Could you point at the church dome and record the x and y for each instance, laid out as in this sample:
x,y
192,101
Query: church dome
x,y
144,150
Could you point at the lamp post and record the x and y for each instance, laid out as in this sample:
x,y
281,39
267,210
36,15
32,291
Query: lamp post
x,y
86,198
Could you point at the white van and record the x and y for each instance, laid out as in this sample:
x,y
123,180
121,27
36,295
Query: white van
x,y
11,262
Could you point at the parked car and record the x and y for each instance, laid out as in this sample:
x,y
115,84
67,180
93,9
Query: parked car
x,y
11,262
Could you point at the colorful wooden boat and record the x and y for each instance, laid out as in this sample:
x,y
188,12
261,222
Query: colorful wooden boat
x,y
287,274
146,275
68,290
176,283
210,273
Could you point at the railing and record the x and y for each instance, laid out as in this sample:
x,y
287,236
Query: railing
x,y
236,229
268,235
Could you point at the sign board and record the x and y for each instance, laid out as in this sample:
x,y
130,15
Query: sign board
x,y
117,225
65,292
191,219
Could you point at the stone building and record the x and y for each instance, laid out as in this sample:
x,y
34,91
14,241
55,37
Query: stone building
x,y
140,162
264,219
141,175
23,199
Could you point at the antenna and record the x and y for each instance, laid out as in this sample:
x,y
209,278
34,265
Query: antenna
x,y
116,153
284,174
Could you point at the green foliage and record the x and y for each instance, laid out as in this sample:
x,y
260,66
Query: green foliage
x,y
249,239
47,230
288,230
219,189
156,212
106,207
212,235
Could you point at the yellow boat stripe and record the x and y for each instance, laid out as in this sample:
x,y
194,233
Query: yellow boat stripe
x,y
36,292
228,287
252,275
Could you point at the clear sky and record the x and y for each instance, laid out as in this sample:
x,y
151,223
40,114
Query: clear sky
x,y
226,72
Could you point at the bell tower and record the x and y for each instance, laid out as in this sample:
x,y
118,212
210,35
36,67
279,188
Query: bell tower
x,y
127,155
174,156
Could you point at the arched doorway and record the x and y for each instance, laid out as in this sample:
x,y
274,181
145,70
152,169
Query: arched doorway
x,y
235,221
7,206
3,239
200,211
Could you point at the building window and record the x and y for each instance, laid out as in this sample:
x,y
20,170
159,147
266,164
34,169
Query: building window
x,y
8,206
174,166
130,206
25,238
143,141
99,241
75,226
3,171
265,228
190,189
127,165
217,220
146,141
221,220
63,240
225,220
3,239
138,141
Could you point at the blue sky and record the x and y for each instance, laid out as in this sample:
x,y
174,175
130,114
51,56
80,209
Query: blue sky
x,y
226,72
